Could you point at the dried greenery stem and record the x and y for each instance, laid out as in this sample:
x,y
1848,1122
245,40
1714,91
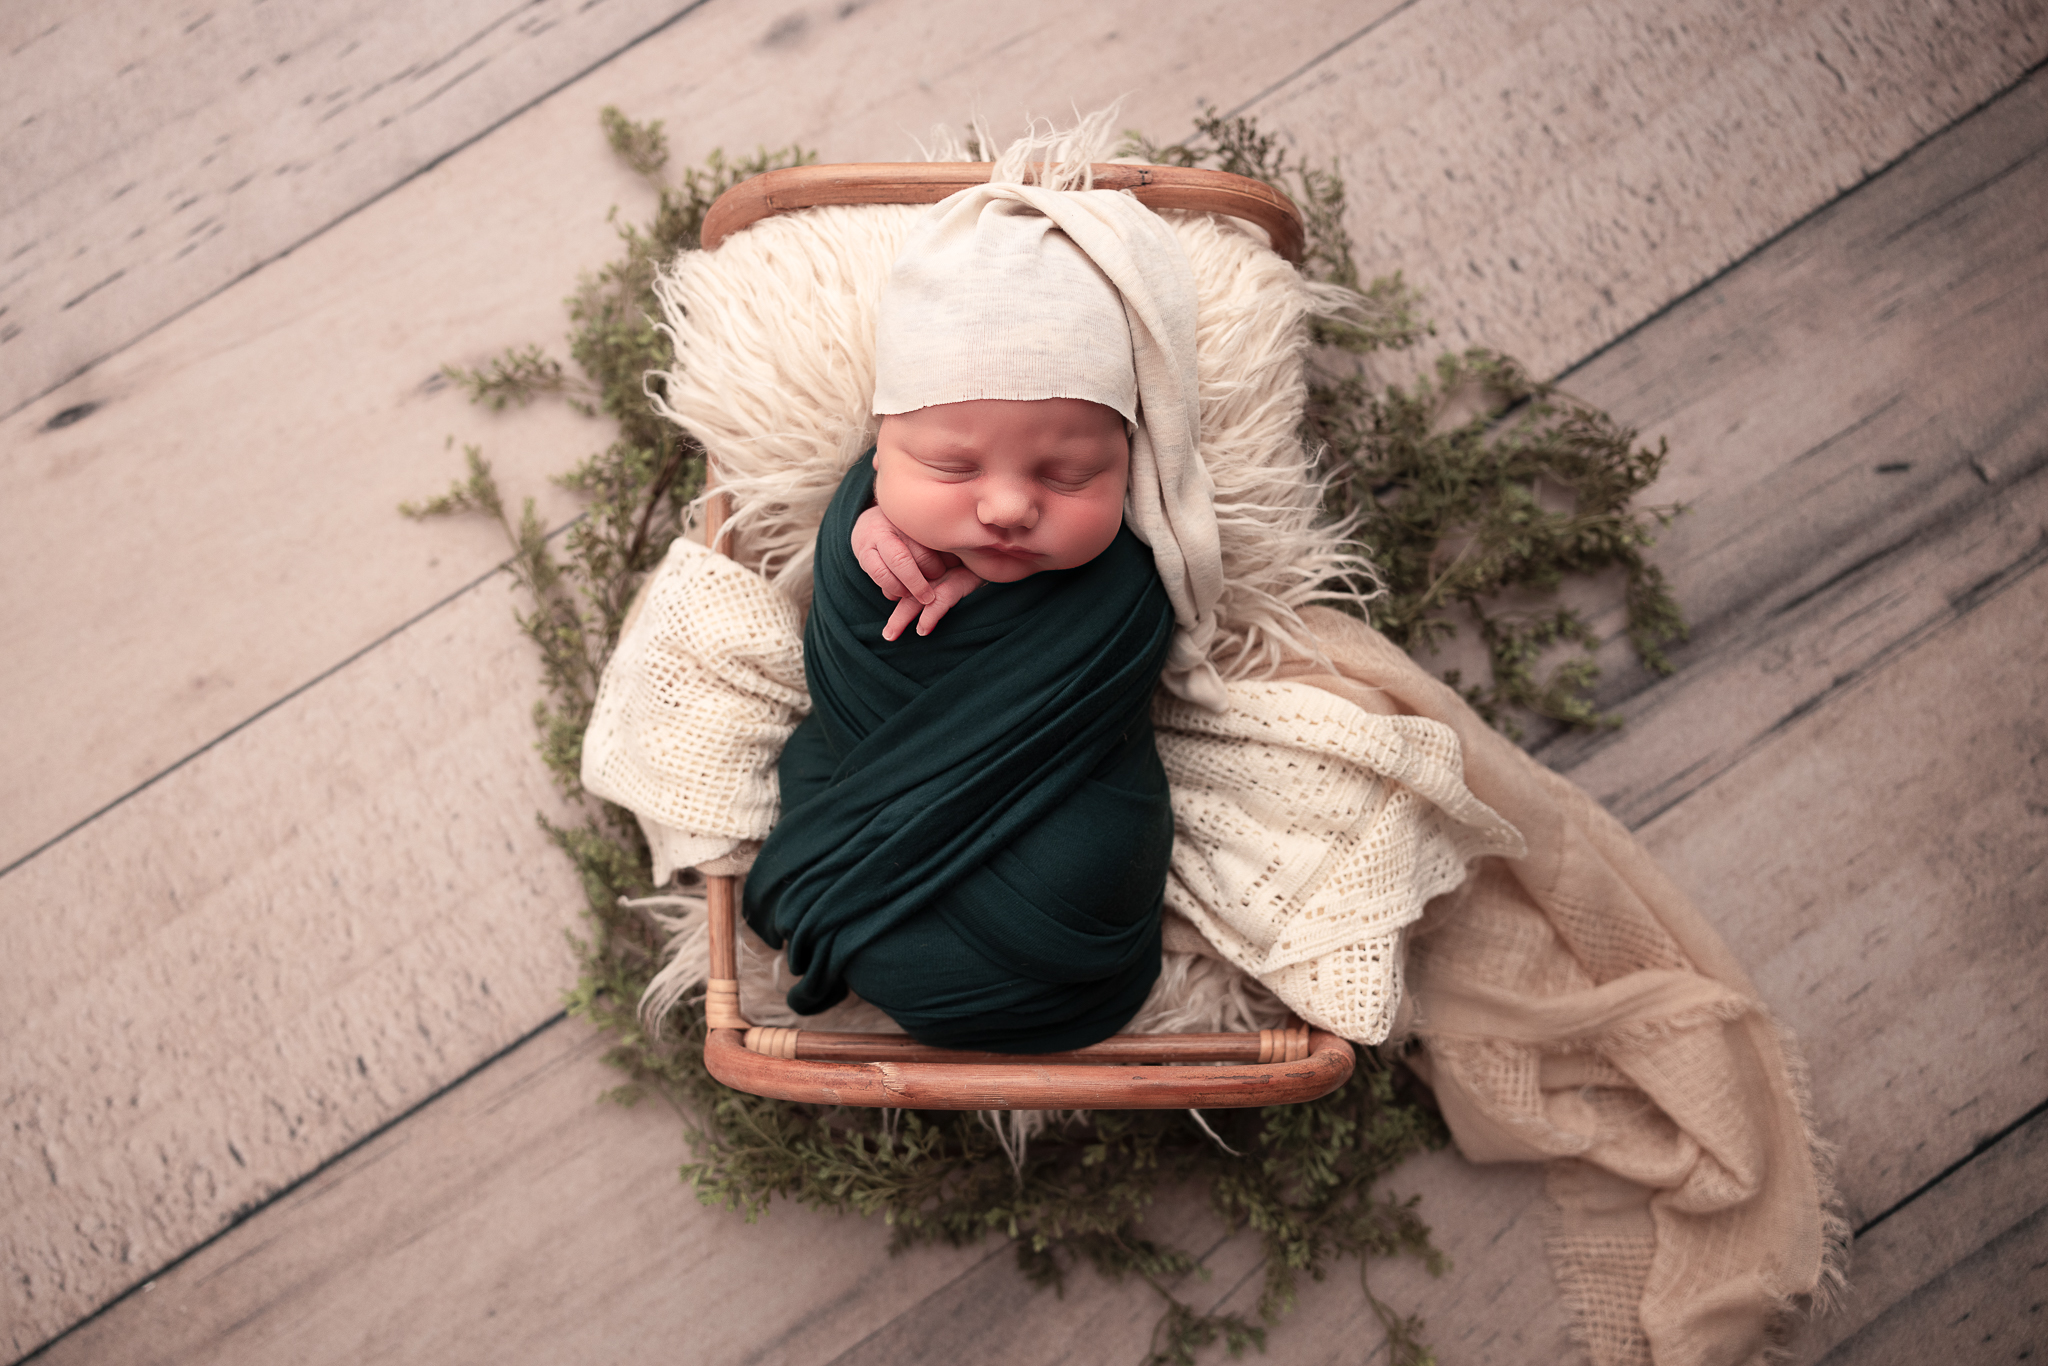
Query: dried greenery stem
x,y
1476,487
1446,480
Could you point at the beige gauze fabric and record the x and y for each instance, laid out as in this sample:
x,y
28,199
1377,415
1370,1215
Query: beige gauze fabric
x,y
1575,1008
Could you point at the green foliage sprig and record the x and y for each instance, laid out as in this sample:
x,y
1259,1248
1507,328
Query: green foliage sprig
x,y
1451,512
1471,493
637,489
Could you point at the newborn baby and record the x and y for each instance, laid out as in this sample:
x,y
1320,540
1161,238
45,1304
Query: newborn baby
x,y
988,490
976,827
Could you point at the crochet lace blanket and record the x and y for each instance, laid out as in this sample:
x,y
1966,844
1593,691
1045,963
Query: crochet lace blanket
x,y
1308,832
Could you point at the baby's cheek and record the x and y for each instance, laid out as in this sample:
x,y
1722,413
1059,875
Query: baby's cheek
x,y
1087,532
926,512
1109,521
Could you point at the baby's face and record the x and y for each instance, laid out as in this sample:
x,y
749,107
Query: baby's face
x,y
1011,487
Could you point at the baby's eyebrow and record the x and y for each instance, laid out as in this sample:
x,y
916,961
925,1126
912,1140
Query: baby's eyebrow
x,y
945,444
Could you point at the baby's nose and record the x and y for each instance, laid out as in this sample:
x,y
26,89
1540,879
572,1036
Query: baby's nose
x,y
1007,507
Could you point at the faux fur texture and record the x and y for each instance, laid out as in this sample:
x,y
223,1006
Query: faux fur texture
x,y
775,368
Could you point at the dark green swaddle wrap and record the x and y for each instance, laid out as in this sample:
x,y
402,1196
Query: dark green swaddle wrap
x,y
975,824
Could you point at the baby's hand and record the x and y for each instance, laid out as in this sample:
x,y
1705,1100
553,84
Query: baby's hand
x,y
922,582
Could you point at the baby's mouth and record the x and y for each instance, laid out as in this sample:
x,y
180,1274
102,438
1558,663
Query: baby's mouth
x,y
1015,552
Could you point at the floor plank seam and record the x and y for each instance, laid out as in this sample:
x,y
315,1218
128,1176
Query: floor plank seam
x,y
1830,693
502,567
256,1207
1960,607
479,135
1983,1146
882,1328
1979,188
1321,57
1570,369
2031,73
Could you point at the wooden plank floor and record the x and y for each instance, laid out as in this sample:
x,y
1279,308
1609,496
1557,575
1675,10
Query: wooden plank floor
x,y
285,943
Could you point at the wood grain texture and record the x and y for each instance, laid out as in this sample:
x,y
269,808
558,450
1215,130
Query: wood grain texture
x,y
268,954
1880,868
1890,921
156,153
1987,1310
1855,432
1496,1306
518,1218
1962,1265
1907,954
1865,442
1550,175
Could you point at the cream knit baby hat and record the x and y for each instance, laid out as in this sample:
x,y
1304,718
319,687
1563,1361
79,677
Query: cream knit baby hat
x,y
1014,291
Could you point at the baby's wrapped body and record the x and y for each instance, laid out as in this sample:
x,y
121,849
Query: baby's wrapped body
x,y
976,826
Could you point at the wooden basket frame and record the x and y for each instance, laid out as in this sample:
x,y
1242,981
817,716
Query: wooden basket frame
x,y
1130,1071
927,182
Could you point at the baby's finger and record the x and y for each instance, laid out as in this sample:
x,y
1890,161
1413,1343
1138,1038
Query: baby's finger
x,y
900,618
930,563
903,564
957,584
870,558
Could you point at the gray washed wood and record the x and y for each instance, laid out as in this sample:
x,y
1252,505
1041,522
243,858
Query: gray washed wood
x,y
1987,1310
1496,1306
270,953
518,1218
1846,770
1880,868
313,570
1817,453
331,596
516,1215
155,154
1886,928
223,525
1551,175
1908,957
992,1313
1973,1244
